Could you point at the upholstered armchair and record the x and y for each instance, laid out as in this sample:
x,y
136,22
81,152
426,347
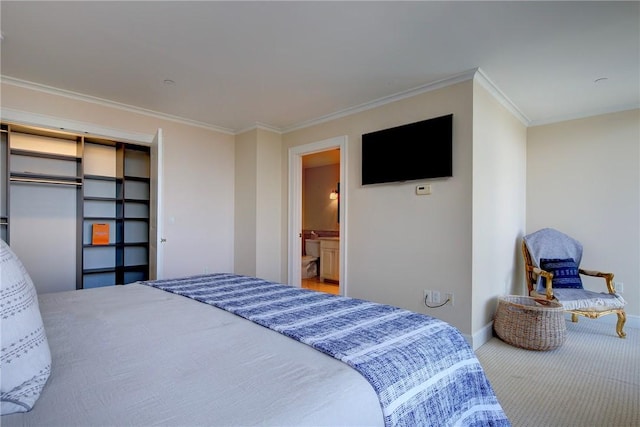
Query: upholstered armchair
x,y
552,271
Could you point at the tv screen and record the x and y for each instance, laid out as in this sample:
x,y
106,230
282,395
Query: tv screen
x,y
418,150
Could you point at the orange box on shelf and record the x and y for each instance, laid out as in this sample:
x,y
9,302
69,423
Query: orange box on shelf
x,y
100,234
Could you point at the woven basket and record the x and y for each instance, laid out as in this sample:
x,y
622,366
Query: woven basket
x,y
531,323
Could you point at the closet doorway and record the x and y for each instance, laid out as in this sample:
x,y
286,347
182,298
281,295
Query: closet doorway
x,y
79,136
317,211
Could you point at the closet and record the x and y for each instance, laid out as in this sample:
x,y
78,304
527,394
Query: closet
x,y
75,208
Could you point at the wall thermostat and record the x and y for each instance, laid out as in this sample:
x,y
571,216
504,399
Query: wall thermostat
x,y
423,189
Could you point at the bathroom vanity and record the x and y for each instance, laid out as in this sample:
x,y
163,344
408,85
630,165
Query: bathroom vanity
x,y
330,259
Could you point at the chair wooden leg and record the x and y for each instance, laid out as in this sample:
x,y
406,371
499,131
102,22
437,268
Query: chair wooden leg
x,y
574,318
622,318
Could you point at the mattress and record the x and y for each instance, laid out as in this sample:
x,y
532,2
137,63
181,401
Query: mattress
x,y
139,356
421,368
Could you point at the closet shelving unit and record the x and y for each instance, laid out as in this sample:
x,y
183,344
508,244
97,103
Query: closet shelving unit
x,y
116,192
113,187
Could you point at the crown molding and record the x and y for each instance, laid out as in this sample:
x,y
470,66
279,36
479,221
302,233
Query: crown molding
x,y
586,114
438,84
261,126
478,74
111,104
491,87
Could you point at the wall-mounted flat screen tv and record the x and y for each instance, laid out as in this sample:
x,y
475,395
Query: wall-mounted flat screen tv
x,y
413,151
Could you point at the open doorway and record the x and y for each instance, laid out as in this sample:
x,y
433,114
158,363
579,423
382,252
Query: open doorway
x,y
317,220
320,269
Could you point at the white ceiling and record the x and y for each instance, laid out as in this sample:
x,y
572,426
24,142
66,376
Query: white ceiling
x,y
284,64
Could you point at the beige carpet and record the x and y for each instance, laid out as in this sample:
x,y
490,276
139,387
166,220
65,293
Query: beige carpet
x,y
593,379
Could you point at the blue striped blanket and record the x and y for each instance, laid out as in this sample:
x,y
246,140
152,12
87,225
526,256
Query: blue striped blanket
x,y
422,369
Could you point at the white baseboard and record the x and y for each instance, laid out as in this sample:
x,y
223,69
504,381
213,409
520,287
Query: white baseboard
x,y
480,337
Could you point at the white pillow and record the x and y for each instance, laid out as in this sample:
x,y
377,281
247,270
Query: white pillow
x,y
25,359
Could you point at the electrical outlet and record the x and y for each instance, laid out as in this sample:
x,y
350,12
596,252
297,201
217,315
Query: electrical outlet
x,y
449,298
436,297
426,297
619,286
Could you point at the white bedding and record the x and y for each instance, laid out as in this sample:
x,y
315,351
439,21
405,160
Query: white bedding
x,y
139,356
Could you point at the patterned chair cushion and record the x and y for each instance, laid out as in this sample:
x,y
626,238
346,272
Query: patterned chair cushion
x,y
25,359
565,272
582,299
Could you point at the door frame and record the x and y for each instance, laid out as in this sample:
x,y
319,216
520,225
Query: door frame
x,y
154,141
156,208
294,275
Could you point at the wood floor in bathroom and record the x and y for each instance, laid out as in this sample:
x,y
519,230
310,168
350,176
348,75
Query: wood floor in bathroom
x,y
316,285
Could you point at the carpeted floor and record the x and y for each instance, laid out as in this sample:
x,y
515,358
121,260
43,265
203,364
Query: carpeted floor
x,y
593,379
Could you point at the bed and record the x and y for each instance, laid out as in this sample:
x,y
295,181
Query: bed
x,y
232,350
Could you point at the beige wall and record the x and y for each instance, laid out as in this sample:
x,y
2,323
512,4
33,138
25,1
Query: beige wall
x,y
398,243
318,211
583,179
220,189
463,238
499,181
258,205
246,154
269,206
198,176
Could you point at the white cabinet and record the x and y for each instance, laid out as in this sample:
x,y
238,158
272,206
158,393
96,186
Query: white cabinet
x,y
329,259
